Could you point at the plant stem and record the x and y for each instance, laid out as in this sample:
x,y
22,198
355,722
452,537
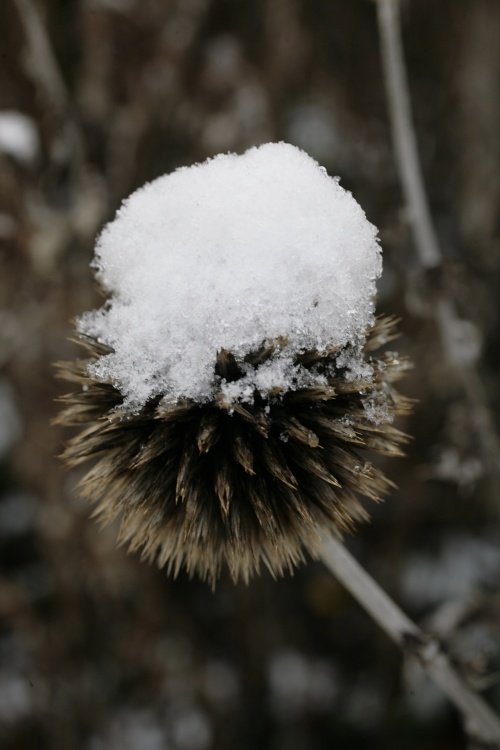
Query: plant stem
x,y
405,142
42,66
481,721
424,233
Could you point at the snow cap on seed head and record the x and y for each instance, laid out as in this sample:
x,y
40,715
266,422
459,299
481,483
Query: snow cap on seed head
x,y
225,255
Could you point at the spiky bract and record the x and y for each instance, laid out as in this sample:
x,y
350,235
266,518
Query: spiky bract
x,y
203,486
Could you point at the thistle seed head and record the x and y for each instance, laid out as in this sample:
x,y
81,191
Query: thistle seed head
x,y
238,485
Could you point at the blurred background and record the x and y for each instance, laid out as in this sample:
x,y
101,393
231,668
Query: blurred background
x,y
101,652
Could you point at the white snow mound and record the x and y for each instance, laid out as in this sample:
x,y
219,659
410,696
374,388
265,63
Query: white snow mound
x,y
227,254
18,136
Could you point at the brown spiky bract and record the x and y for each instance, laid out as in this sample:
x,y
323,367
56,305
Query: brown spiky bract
x,y
203,486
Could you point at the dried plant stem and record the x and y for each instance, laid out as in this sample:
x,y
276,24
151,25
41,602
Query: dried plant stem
x,y
405,144
480,720
424,233
44,70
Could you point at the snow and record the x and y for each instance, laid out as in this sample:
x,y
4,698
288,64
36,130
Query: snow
x,y
18,136
131,729
16,698
464,565
228,254
221,684
10,421
191,730
298,684
314,129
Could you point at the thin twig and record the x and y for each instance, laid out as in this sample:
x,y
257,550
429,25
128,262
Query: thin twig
x,y
405,143
42,63
480,720
424,233
44,70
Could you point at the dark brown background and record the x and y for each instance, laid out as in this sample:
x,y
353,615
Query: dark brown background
x,y
99,651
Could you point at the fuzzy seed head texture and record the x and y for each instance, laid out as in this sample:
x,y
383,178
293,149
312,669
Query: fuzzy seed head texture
x,y
233,389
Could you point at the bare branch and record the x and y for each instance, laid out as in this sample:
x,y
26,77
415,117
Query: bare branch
x,y
425,237
405,142
480,720
44,70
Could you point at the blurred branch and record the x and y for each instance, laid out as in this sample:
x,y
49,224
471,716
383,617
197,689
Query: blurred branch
x,y
430,256
44,70
405,143
481,721
57,223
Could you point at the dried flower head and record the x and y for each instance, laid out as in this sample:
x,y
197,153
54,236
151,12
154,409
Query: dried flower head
x,y
232,388
206,485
